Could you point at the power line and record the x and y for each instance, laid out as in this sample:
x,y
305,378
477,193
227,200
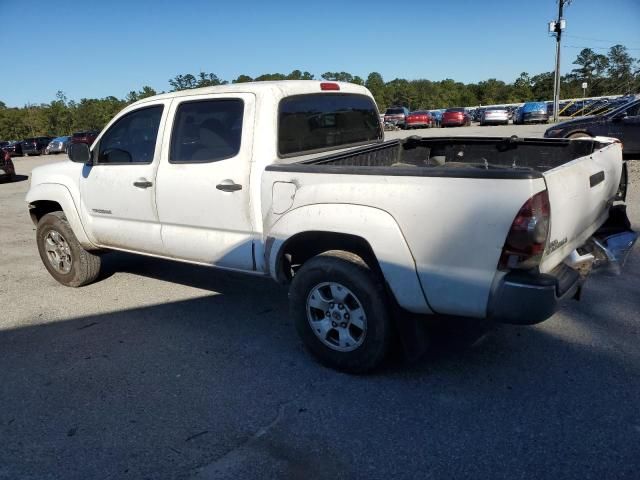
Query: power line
x,y
595,39
597,48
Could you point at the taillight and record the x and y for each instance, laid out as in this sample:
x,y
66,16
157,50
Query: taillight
x,y
329,86
527,237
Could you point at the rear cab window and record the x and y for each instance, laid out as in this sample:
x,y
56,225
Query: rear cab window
x,y
320,122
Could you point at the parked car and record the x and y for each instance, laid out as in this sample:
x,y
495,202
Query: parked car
x,y
87,137
455,117
345,229
58,145
622,123
477,114
396,116
14,148
437,117
517,116
35,145
494,116
534,112
419,119
7,170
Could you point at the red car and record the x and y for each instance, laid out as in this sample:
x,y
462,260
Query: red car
x,y
419,119
84,137
455,117
7,171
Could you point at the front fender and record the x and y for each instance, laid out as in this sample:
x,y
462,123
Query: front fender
x,y
375,226
55,192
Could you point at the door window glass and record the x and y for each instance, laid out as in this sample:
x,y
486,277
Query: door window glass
x,y
207,131
132,139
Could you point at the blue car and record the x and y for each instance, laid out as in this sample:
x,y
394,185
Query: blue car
x,y
531,112
437,116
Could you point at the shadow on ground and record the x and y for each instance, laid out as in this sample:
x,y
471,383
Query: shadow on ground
x,y
219,387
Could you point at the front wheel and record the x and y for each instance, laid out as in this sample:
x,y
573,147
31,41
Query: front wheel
x,y
63,256
341,312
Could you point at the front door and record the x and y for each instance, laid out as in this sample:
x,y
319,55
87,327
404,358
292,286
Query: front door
x,y
118,190
203,181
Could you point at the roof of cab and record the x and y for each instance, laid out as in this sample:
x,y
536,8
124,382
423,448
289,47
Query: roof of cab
x,y
281,88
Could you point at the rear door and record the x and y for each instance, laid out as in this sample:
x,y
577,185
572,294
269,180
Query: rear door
x,y
580,193
203,180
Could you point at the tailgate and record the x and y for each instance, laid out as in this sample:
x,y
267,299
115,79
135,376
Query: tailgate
x,y
580,194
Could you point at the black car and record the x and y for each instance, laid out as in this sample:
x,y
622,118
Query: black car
x,y
14,149
622,123
35,145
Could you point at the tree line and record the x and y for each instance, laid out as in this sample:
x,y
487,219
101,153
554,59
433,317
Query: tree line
x,y
615,73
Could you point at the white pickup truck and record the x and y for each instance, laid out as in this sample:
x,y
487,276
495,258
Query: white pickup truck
x,y
294,180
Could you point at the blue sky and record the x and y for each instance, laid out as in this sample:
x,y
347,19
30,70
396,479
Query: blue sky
x,y
95,48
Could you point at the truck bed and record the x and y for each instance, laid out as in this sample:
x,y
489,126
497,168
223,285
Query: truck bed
x,y
466,157
443,196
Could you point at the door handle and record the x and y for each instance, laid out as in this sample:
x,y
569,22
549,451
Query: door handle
x,y
229,186
142,183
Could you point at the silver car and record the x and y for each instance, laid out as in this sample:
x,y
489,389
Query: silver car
x,y
57,145
495,116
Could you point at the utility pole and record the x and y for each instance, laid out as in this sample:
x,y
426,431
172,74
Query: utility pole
x,y
557,27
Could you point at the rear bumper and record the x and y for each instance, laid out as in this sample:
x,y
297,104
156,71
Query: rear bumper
x,y
525,299
30,150
535,117
56,149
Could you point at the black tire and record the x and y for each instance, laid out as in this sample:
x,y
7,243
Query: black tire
x,y
85,266
350,271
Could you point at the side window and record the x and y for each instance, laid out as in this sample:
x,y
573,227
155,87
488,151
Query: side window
x,y
132,139
207,131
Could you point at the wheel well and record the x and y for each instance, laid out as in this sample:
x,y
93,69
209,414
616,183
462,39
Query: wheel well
x,y
303,246
40,208
578,131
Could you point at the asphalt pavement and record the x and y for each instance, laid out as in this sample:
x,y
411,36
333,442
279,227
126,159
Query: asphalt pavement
x,y
163,370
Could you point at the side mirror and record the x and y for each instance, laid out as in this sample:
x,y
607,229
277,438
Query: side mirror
x,y
79,153
619,117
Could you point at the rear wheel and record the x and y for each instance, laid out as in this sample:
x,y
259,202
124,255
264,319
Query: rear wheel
x,y
63,256
341,312
579,135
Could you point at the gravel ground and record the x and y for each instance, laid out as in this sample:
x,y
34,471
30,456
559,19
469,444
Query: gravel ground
x,y
163,370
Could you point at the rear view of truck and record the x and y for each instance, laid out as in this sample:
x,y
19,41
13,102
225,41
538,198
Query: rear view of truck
x,y
496,228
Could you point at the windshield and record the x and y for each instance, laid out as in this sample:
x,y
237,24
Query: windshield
x,y
621,108
394,111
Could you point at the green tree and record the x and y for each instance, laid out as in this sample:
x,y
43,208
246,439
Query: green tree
x,y
376,86
620,69
243,79
522,88
145,92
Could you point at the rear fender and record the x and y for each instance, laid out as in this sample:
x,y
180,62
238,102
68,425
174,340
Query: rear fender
x,y
55,192
375,226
